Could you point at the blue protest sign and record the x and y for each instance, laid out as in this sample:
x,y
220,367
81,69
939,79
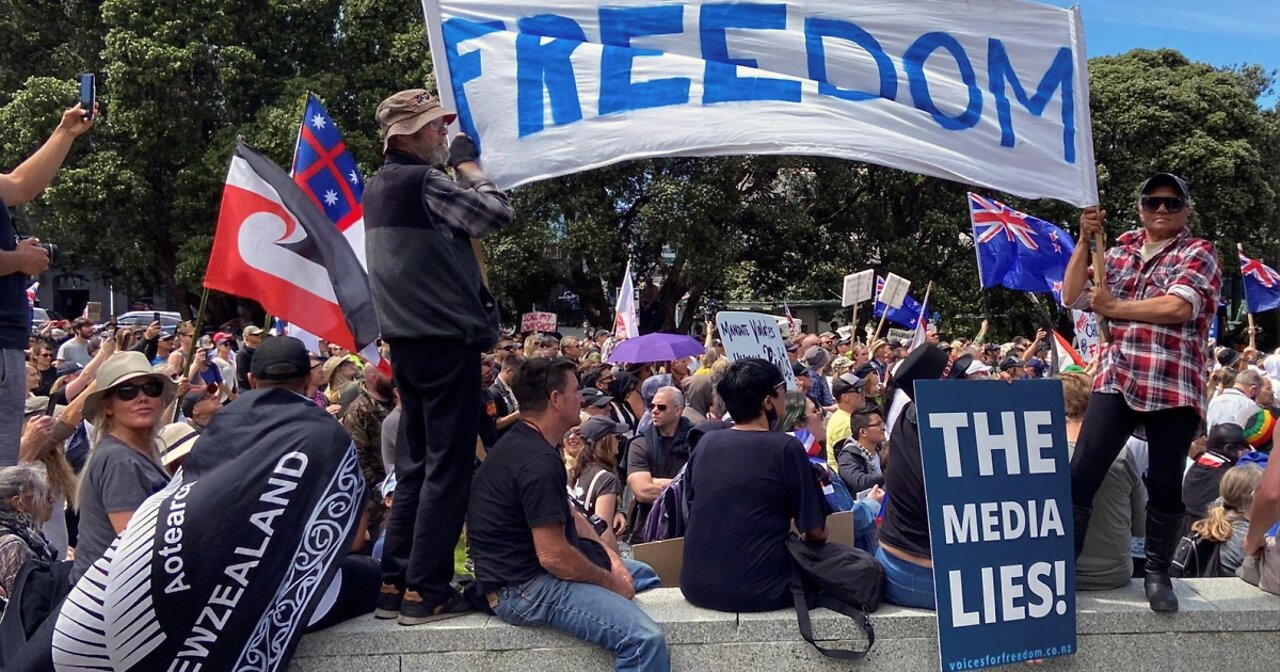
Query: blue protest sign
x,y
997,482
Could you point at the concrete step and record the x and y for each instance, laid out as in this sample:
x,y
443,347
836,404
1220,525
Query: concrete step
x,y
1224,624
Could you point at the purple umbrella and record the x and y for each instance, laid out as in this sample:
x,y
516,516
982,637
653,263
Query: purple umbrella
x,y
655,348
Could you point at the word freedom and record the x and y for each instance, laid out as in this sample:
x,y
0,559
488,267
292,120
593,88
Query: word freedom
x,y
546,42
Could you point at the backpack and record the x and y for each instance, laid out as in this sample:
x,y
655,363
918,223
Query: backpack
x,y
38,589
670,513
836,577
1196,557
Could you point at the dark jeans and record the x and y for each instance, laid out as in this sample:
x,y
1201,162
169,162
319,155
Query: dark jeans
x,y
439,385
1107,425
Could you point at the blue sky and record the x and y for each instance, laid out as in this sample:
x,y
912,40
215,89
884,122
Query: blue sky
x,y
1219,32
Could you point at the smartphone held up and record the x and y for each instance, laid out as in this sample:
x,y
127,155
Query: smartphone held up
x,y
88,94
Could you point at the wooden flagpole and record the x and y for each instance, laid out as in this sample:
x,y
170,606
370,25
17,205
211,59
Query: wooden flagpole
x,y
195,333
1099,280
1252,329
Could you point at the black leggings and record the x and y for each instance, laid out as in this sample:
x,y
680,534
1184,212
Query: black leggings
x,y
1108,423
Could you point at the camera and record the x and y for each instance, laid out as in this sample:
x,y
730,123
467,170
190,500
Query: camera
x,y
50,248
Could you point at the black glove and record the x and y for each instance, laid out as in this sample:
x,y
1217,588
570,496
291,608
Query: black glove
x,y
462,150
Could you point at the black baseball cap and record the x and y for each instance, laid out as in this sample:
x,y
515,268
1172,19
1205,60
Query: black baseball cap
x,y
1166,180
847,383
1010,363
280,358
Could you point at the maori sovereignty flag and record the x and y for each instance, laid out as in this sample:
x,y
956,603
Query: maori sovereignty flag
x,y
274,245
224,568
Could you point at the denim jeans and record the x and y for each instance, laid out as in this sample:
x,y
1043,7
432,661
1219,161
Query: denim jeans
x,y
592,614
906,584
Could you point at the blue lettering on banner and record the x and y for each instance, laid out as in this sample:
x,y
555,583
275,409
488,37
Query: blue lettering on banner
x,y
913,62
546,65
721,83
463,69
815,29
617,26
546,79
998,491
1059,76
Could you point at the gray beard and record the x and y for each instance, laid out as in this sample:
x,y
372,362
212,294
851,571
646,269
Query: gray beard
x,y
439,155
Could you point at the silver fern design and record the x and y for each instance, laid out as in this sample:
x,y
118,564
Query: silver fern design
x,y
323,541
108,622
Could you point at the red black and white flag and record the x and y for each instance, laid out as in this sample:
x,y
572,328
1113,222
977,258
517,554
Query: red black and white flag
x,y
275,246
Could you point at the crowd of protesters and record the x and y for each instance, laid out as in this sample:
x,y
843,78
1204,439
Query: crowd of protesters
x,y
557,461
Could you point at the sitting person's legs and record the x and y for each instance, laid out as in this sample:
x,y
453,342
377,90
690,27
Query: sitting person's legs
x,y
642,576
906,584
590,613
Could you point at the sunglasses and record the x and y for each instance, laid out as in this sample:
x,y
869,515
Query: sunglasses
x,y
1172,204
130,391
509,348
658,407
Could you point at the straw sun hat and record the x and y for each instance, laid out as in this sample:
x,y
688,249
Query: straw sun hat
x,y
122,368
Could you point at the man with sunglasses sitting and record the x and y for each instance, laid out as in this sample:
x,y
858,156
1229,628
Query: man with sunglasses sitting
x,y
1160,295
657,455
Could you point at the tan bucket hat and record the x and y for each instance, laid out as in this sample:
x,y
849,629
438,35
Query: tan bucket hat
x,y
176,441
119,369
405,112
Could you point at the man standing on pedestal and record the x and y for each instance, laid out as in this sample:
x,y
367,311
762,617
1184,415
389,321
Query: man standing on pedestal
x,y
438,317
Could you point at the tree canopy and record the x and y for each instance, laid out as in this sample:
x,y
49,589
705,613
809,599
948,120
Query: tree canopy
x,y
180,81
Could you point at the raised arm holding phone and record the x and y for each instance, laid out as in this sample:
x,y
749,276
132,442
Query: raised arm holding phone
x,y
18,261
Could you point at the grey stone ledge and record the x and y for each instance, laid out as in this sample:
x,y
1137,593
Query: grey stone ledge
x,y
1217,627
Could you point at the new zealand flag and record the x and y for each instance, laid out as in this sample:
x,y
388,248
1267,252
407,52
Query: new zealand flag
x,y
907,316
1261,285
1016,250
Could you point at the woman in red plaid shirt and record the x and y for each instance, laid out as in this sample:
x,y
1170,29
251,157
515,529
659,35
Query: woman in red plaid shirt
x,y
1160,296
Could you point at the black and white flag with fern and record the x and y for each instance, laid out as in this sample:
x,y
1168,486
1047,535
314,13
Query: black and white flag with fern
x,y
222,569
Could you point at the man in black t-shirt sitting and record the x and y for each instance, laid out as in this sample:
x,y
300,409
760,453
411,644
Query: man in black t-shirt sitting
x,y
538,560
745,486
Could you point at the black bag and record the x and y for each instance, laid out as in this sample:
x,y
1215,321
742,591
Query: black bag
x,y
836,577
38,589
1197,557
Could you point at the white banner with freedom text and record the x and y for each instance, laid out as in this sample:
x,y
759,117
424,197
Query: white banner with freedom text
x,y
985,92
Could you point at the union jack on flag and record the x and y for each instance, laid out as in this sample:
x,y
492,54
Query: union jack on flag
x,y
992,218
1261,285
1016,250
327,172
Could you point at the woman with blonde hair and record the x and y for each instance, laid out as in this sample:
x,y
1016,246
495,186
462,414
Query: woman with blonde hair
x,y
1228,521
124,468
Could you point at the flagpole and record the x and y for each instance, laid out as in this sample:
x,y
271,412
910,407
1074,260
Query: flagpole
x,y
1099,280
880,326
195,332
1252,330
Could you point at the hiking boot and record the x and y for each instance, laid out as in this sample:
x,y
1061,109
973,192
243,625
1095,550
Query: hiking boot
x,y
413,611
388,604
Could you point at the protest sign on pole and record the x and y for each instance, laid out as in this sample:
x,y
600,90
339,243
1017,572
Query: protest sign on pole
x,y
997,484
892,295
754,335
858,287
544,323
986,92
